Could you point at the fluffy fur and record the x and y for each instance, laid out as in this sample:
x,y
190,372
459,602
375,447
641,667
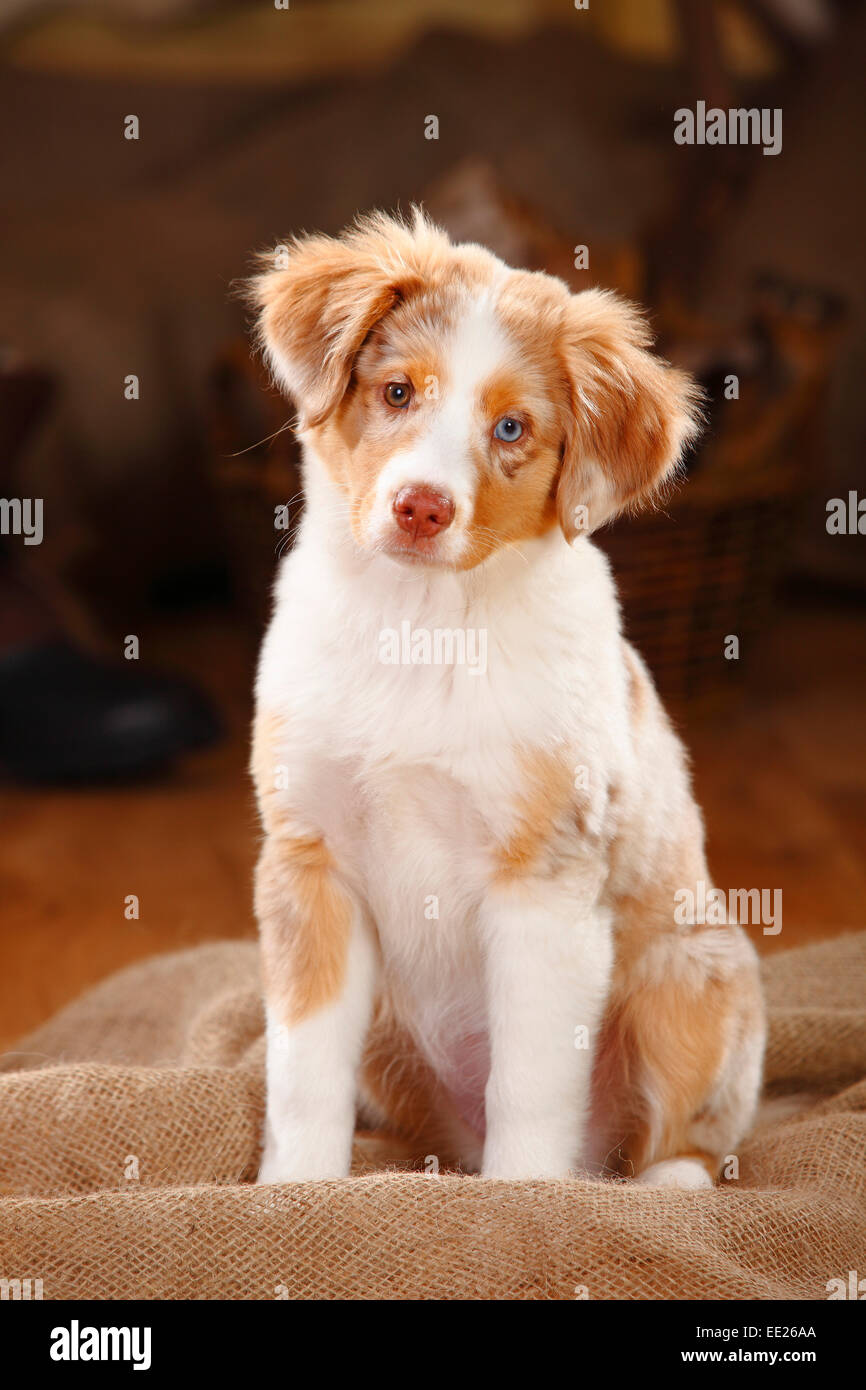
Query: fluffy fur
x,y
466,888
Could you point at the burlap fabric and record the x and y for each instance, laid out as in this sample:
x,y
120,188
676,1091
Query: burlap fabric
x,y
129,1130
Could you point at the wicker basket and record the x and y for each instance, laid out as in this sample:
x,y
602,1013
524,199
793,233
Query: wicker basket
x,y
706,566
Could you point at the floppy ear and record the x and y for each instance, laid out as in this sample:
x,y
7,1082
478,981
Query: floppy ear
x,y
319,299
631,414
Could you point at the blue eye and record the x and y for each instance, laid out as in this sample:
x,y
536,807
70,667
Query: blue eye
x,y
508,429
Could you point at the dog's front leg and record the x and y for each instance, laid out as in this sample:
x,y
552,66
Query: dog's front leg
x,y
548,972
320,969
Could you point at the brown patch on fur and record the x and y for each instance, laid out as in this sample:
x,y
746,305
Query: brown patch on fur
x,y
356,470
304,918
502,395
673,1038
541,807
659,1054
510,509
632,414
522,390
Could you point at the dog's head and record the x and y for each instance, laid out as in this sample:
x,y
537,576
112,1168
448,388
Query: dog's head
x,y
461,406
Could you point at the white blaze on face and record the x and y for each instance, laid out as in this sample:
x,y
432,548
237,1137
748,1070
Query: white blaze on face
x,y
440,456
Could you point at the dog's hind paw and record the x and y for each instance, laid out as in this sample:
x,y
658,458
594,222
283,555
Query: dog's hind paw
x,y
676,1172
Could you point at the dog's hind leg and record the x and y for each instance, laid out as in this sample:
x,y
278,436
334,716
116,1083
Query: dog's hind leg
x,y
692,1054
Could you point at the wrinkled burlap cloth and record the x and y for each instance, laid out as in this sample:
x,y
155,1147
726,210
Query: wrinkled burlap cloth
x,y
129,1131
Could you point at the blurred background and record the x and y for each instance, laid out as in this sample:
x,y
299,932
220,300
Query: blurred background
x,y
150,147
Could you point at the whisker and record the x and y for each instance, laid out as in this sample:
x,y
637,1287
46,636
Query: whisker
x,y
267,439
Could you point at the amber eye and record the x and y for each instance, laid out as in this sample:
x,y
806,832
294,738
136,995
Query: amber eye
x,y
398,394
508,429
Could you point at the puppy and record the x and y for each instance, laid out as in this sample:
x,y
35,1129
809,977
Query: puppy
x,y
476,813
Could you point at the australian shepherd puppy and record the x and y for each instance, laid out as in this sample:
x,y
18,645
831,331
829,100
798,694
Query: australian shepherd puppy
x,y
476,813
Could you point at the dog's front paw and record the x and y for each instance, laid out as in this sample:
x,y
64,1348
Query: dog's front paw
x,y
513,1160
272,1170
276,1171
303,1162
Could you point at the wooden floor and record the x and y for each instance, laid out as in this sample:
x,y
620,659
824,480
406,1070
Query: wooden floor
x,y
781,779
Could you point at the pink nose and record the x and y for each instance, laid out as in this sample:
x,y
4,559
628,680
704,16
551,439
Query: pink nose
x,y
422,512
